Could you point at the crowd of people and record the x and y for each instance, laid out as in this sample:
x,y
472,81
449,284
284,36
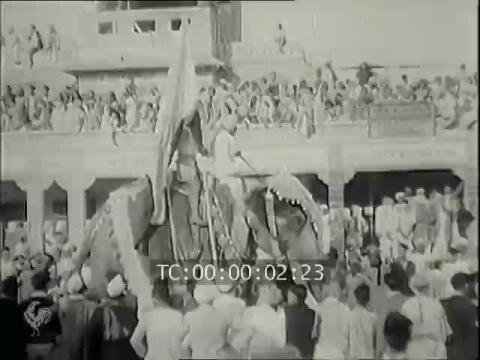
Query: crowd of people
x,y
24,48
427,312
31,108
266,102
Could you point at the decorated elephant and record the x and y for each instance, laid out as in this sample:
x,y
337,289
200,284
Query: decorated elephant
x,y
281,219
117,240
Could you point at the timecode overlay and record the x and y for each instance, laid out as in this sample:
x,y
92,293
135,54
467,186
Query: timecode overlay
x,y
262,271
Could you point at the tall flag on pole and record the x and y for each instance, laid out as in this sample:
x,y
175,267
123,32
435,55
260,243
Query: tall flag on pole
x,y
178,102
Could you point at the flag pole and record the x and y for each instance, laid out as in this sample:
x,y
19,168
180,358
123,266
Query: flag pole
x,y
208,208
173,235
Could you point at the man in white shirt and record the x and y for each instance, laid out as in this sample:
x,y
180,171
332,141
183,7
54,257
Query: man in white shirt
x,y
207,329
334,325
385,227
261,328
226,303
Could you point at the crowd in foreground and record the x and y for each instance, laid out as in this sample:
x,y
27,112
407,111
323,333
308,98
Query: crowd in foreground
x,y
265,102
428,311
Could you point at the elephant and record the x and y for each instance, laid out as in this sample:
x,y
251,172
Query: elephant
x,y
281,219
120,239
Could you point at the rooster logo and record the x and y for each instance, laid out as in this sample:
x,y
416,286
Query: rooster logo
x,y
42,316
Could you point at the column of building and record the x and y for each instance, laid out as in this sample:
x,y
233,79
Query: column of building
x,y
470,190
76,207
336,187
35,188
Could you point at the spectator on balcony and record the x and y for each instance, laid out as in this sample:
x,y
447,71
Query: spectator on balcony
x,y
131,110
35,43
17,50
41,115
146,122
53,45
92,115
75,117
29,100
364,73
468,114
446,107
9,96
57,119
20,114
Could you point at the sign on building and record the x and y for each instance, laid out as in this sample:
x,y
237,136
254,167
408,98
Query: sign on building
x,y
401,120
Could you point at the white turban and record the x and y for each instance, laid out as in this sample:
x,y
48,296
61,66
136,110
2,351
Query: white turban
x,y
420,191
61,226
368,210
419,283
225,287
74,284
116,287
205,293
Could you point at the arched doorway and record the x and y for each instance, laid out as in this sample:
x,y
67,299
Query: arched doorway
x,y
13,213
366,189
99,191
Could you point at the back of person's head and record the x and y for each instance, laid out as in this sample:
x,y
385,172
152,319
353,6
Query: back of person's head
x,y
391,282
333,254
40,280
9,287
362,294
300,292
397,331
333,289
459,281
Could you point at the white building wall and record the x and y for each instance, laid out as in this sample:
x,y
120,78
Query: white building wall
x,y
349,31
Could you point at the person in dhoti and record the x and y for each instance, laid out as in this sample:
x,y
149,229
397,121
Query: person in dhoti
x,y
405,214
424,219
430,326
440,238
261,328
206,327
333,325
385,228
357,227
